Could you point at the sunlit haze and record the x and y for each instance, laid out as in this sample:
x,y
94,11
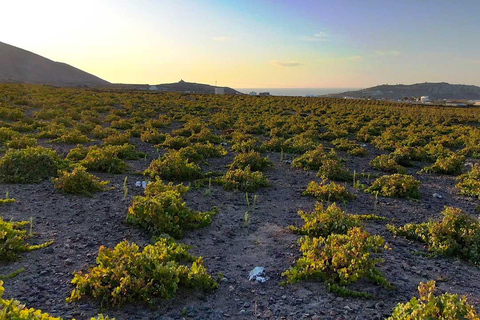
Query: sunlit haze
x,y
248,44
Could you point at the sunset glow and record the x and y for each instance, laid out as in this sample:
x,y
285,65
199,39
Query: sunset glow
x,y
246,44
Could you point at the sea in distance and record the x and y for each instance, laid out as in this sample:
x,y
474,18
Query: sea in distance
x,y
299,92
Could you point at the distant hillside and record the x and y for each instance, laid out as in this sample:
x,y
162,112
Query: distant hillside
x,y
181,86
21,66
435,91
192,87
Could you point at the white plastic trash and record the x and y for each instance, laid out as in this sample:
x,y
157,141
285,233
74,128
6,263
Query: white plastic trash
x,y
257,274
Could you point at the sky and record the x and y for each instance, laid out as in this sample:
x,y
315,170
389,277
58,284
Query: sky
x,y
248,44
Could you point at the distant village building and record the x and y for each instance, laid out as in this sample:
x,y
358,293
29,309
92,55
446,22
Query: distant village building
x,y
474,102
424,99
153,88
264,94
219,90
253,93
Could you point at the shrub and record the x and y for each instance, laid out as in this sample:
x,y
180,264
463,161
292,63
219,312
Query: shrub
x,y
431,306
435,151
79,182
100,132
405,155
458,234
252,159
30,165
125,151
300,143
344,144
72,137
174,142
21,142
127,274
333,169
200,151
469,183
324,222
173,166
153,135
396,186
104,160
51,131
328,191
157,187
339,260
352,147
313,160
358,151
117,139
274,144
245,145
166,212
452,164
121,124
13,240
78,153
244,180
387,163
7,134
205,135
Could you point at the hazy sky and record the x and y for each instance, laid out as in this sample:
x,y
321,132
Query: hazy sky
x,y
334,43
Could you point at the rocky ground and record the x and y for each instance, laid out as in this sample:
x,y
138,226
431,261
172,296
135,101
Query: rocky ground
x,y
230,246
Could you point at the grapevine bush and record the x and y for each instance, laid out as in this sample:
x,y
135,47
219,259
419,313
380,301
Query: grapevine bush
x,y
340,260
328,191
457,234
79,181
30,165
163,210
127,274
396,186
244,180
431,306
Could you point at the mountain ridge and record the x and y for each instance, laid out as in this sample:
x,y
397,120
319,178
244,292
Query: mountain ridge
x,y
18,65
22,66
434,90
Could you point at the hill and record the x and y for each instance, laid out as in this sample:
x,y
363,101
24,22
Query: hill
x,y
21,66
180,86
435,91
192,87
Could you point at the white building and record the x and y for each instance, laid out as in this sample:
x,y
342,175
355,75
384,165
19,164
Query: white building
x,y
219,90
253,93
153,88
424,99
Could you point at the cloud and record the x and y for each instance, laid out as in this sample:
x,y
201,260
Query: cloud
x,y
220,38
317,37
387,53
286,63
